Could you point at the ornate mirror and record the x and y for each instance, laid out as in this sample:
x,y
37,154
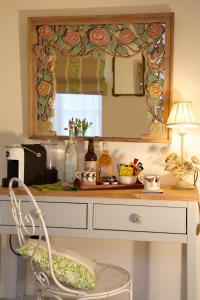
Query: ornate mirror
x,y
115,69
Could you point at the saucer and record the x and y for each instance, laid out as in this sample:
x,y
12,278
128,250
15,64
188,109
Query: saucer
x,y
152,192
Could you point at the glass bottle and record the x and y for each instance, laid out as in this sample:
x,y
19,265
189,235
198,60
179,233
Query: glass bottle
x,y
70,159
104,165
90,157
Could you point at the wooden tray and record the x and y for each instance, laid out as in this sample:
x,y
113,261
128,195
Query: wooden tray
x,y
111,186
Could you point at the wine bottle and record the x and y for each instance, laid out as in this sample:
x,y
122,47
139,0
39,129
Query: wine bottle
x,y
104,165
90,157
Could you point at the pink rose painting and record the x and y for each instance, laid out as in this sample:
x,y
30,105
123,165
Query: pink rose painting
x,y
72,37
126,36
45,32
155,30
99,36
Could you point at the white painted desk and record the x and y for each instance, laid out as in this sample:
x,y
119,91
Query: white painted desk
x,y
121,214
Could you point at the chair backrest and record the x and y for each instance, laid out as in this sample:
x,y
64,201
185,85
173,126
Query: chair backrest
x,y
29,221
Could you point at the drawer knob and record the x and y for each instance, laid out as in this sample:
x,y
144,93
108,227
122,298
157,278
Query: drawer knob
x,y
135,218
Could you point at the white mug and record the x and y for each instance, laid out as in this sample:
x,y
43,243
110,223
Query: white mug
x,y
87,177
150,182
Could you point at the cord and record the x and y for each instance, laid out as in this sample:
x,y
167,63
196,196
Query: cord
x,y
35,237
11,247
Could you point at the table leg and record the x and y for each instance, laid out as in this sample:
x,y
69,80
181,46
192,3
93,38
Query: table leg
x,y
21,278
193,252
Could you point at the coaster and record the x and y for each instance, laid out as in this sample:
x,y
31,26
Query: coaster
x,y
152,192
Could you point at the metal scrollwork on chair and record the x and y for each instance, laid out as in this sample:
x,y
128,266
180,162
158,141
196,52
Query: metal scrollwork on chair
x,y
110,280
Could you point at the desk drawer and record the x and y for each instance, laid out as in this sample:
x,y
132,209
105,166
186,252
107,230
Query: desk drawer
x,y
57,215
67,215
140,218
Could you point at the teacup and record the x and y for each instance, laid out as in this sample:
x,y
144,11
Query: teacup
x,y
150,182
87,177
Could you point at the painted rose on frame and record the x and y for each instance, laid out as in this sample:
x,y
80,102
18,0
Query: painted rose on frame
x,y
155,30
126,36
45,32
155,89
99,36
44,88
72,37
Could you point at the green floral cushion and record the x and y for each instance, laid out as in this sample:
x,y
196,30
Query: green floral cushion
x,y
71,269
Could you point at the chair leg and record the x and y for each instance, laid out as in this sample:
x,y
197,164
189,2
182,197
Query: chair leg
x,y
131,291
54,296
39,295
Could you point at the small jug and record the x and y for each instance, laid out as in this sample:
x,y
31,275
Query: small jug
x,y
150,182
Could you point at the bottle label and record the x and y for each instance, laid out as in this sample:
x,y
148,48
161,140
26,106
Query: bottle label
x,y
90,165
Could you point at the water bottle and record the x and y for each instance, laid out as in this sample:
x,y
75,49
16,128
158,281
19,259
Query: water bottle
x,y
70,159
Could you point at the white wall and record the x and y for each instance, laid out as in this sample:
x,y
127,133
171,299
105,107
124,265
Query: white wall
x,y
153,264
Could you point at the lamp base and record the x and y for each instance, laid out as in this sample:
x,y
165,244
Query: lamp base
x,y
183,185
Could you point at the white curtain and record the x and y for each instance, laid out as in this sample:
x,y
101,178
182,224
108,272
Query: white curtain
x,y
67,106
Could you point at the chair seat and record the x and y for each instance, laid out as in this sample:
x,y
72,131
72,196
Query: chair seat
x,y
109,278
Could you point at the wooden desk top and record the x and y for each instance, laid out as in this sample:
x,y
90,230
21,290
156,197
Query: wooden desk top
x,y
168,194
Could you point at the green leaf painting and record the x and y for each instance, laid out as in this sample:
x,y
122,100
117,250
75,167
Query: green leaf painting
x,y
125,26
75,51
122,50
113,27
139,28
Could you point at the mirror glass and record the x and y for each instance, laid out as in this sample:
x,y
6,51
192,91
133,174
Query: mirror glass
x,y
128,75
123,60
110,116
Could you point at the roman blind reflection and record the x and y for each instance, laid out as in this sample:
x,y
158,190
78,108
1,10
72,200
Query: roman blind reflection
x,y
80,75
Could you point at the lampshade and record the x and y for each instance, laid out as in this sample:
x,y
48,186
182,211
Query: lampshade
x,y
181,115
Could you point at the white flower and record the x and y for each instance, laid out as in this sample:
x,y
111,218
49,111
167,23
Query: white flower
x,y
171,157
195,160
181,168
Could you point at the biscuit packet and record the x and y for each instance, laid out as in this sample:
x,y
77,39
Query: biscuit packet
x,y
126,171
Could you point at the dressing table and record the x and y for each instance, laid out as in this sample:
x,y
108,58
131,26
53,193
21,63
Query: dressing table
x,y
172,216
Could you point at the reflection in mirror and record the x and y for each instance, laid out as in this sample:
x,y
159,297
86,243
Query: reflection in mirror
x,y
109,116
124,116
128,75
78,107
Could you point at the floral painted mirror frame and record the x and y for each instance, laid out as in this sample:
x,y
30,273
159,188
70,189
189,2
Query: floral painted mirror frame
x,y
117,35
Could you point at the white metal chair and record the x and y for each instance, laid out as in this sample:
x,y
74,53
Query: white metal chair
x,y
111,279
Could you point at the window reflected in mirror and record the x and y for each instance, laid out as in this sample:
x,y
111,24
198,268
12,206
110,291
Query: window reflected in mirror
x,y
81,109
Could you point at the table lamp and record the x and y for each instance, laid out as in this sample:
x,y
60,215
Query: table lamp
x,y
181,116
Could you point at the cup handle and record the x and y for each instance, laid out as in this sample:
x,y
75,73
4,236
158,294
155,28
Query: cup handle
x,y
140,178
